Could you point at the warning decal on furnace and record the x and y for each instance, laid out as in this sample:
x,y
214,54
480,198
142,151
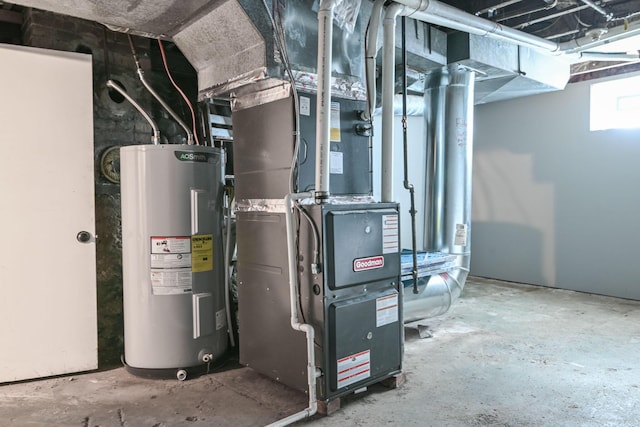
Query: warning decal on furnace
x,y
354,368
390,235
386,310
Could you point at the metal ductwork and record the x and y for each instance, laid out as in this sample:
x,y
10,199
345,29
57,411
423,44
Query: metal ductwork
x,y
230,43
449,138
506,70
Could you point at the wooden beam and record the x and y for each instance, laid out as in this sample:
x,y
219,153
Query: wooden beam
x,y
10,16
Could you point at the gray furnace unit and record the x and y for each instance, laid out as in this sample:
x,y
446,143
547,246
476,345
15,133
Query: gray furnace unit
x,y
348,253
174,305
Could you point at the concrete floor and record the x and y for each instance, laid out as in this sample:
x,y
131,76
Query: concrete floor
x,y
505,355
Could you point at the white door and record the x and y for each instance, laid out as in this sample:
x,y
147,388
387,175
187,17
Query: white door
x,y
47,276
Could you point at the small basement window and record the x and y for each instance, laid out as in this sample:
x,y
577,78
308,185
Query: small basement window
x,y
615,104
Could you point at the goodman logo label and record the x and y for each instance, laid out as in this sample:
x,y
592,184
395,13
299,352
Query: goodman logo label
x,y
369,263
186,156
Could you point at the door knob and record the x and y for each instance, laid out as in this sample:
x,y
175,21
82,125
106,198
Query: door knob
x,y
83,237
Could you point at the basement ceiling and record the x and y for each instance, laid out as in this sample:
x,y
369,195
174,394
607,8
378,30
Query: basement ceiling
x,y
555,20
566,20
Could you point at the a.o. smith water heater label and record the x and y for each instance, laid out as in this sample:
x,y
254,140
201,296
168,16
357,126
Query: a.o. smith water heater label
x,y
171,282
386,310
390,235
461,235
171,245
170,252
202,253
354,368
171,265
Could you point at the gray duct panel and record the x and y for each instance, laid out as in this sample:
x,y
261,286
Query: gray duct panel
x,y
490,58
505,70
426,46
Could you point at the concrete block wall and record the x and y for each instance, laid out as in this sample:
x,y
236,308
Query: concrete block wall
x,y
115,124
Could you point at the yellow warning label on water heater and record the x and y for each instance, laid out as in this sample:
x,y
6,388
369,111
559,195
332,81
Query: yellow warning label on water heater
x,y
202,253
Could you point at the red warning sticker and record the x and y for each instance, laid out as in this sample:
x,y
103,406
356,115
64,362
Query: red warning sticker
x,y
354,368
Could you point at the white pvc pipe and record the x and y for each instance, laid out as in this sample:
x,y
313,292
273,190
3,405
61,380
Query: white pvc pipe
x,y
323,102
312,372
388,89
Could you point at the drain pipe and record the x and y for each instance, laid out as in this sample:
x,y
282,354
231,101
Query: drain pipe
x,y
312,371
388,89
156,96
323,102
155,137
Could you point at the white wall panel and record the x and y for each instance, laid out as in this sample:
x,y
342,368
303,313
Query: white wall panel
x,y
553,203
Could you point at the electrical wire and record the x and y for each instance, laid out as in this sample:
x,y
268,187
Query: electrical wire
x,y
316,238
580,21
193,115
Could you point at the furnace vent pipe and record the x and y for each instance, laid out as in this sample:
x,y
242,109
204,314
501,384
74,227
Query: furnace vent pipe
x,y
388,89
449,140
323,103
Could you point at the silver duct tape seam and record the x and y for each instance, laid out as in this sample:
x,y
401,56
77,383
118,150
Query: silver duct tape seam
x,y
263,92
224,88
342,87
261,205
279,206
